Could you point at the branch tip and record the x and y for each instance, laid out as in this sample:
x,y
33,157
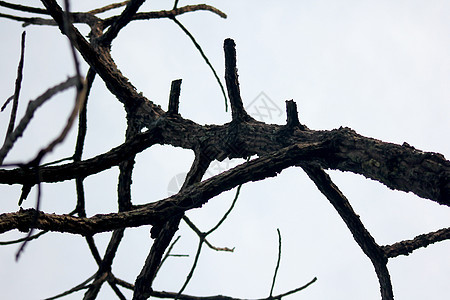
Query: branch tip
x,y
231,79
174,98
292,115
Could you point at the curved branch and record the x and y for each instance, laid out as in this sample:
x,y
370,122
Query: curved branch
x,y
159,212
101,61
399,167
24,8
171,13
364,239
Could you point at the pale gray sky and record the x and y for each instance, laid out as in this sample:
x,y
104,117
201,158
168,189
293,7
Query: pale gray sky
x,y
379,67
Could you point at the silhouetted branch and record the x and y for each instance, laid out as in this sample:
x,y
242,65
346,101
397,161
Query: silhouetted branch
x,y
119,23
170,295
33,220
174,98
15,96
420,241
108,7
79,287
86,167
225,216
232,82
144,281
82,118
364,239
169,253
171,13
24,8
164,232
31,108
80,96
37,235
278,263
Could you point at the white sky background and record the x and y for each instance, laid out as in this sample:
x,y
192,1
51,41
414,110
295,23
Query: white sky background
x,y
379,67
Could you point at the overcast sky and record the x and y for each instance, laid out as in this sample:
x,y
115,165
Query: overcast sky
x,y
379,67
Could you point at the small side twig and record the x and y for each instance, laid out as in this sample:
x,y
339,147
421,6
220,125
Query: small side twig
x,y
108,7
31,109
79,287
37,235
35,217
236,196
191,272
60,138
15,97
278,263
82,118
24,8
168,253
125,18
420,241
205,58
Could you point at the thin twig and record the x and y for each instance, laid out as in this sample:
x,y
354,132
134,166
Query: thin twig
x,y
24,8
76,288
124,18
202,235
278,263
18,85
24,239
108,7
60,138
205,58
236,196
71,36
191,272
296,290
56,162
82,117
28,21
169,250
170,13
31,108
15,97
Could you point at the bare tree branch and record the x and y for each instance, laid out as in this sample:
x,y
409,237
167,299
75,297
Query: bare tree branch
x,y
420,241
126,16
31,108
278,264
356,227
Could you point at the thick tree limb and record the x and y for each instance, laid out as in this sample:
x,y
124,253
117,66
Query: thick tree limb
x,y
399,167
100,60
